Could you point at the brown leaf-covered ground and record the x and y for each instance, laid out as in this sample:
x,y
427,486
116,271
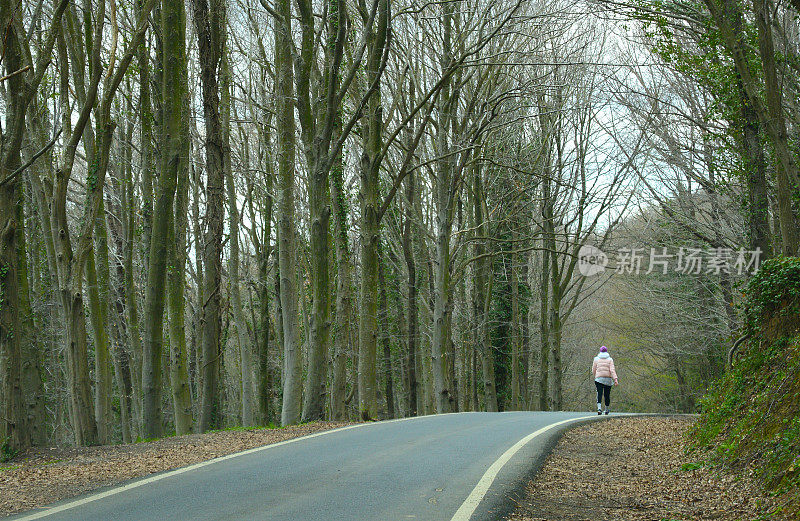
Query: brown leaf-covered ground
x,y
630,469
42,476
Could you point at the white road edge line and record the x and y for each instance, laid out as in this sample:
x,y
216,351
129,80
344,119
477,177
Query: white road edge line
x,y
464,513
136,484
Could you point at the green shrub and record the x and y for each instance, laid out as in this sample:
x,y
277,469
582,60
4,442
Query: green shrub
x,y
772,298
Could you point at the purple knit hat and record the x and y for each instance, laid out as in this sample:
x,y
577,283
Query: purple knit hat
x,y
603,349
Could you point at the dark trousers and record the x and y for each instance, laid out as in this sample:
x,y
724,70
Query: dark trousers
x,y
603,390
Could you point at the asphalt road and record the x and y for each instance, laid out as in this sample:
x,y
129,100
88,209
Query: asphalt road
x,y
422,468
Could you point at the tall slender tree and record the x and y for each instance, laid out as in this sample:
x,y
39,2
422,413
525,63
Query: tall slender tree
x,y
210,26
285,124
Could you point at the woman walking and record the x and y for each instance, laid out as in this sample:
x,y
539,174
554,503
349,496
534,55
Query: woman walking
x,y
604,377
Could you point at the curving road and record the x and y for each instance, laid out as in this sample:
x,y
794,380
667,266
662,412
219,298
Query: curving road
x,y
453,467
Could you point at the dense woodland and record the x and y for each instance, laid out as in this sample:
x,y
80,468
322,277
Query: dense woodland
x,y
227,212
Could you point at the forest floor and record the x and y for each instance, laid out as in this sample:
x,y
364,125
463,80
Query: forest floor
x,y
637,469
44,475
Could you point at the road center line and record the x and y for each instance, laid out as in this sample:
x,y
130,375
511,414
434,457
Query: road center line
x,y
469,505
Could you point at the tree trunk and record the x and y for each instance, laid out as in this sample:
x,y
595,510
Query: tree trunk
x,y
441,318
131,304
344,292
317,146
370,221
146,143
153,344
408,253
175,157
13,433
443,199
98,316
292,355
532,321
787,168
197,315
483,291
515,335
548,244
319,195
385,341
83,424
210,24
264,380
172,154
120,355
31,370
755,166
555,330
368,324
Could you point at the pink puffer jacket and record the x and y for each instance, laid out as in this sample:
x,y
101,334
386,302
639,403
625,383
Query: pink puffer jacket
x,y
603,367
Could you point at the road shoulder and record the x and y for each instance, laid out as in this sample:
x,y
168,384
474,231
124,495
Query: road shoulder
x,y
508,488
636,469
